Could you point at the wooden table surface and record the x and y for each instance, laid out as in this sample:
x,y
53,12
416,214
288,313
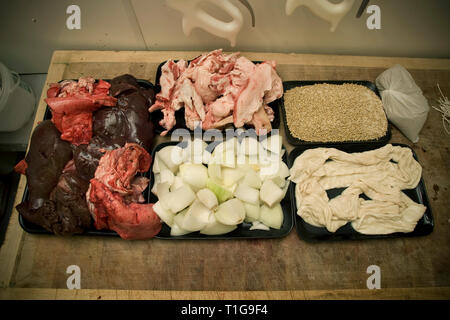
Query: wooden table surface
x,y
34,266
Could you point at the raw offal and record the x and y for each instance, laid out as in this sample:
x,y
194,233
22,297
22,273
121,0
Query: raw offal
x,y
380,174
56,199
58,186
128,121
131,221
218,89
117,169
112,195
72,104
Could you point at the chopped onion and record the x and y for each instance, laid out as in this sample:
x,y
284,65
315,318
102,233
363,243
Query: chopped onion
x,y
251,212
163,214
196,217
180,198
196,175
247,194
172,156
231,212
270,193
252,179
257,225
231,176
214,227
272,217
208,198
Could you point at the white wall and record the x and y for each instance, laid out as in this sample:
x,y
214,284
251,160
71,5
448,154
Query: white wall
x,y
31,30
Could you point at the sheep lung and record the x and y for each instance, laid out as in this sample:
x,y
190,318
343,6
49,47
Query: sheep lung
x,y
115,194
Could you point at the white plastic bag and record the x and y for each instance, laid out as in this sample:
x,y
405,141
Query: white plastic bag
x,y
405,105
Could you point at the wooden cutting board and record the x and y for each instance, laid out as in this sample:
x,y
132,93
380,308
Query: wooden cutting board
x,y
287,268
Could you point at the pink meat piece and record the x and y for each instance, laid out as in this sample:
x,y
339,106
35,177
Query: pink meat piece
x,y
159,105
53,91
251,97
277,85
209,120
131,221
177,98
138,185
68,88
76,128
261,122
191,117
79,103
101,87
244,66
221,82
216,61
236,80
212,122
72,104
115,194
118,167
223,106
88,83
201,77
230,86
170,72
168,121
209,58
201,71
187,96
269,112
228,62
85,85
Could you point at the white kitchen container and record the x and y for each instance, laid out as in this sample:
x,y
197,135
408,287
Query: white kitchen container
x,y
17,101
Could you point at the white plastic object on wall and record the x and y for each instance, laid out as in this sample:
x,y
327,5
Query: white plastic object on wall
x,y
195,17
331,12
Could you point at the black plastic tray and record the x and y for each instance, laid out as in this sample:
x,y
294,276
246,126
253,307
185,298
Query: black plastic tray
x,y
298,142
242,231
179,115
312,233
36,229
